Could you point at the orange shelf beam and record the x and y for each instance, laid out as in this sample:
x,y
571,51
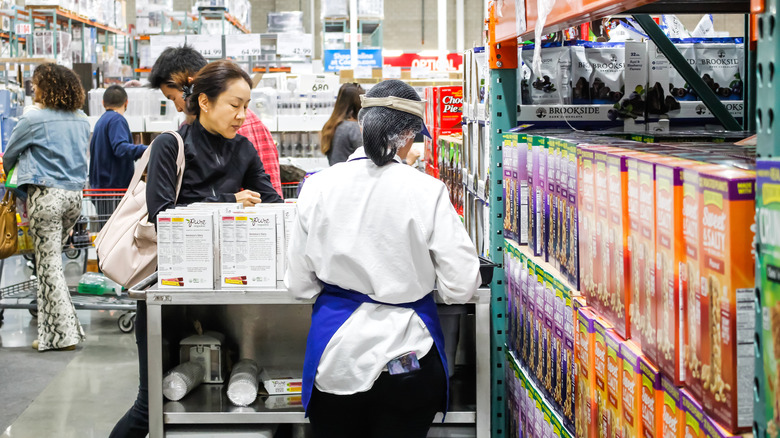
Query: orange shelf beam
x,y
143,70
64,15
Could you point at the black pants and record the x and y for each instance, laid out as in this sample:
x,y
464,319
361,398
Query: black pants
x,y
135,423
396,406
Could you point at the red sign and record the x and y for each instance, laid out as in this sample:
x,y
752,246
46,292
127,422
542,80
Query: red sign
x,y
408,60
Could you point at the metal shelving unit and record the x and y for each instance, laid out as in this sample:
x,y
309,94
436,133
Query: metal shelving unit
x,y
762,100
209,404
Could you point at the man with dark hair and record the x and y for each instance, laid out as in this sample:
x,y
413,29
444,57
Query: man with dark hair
x,y
112,152
175,61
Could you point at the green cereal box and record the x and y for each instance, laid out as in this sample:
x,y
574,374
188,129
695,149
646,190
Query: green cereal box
x,y
768,213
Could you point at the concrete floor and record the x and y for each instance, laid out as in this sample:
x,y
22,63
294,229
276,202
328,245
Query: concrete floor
x,y
79,393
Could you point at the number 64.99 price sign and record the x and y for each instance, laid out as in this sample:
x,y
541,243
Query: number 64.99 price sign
x,y
242,45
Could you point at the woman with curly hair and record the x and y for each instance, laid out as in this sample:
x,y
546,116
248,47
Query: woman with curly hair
x,y
48,149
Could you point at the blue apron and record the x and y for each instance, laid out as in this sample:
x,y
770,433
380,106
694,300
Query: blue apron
x,y
331,310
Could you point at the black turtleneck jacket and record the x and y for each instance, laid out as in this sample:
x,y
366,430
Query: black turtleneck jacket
x,y
215,169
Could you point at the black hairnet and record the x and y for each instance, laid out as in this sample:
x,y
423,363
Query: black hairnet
x,y
386,130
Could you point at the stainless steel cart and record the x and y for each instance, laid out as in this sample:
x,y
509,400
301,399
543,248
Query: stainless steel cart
x,y
271,326
97,207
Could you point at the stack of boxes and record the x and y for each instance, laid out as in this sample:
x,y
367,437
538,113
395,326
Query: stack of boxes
x,y
443,116
664,329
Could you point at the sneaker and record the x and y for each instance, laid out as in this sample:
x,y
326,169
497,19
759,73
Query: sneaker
x,y
68,348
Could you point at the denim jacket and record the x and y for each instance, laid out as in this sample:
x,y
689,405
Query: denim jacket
x,y
49,149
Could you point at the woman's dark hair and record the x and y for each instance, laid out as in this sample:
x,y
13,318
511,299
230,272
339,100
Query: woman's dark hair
x,y
212,80
58,87
347,107
386,130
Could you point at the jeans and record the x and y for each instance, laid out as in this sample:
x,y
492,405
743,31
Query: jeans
x,y
401,405
135,423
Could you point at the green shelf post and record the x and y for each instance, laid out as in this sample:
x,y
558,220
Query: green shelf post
x,y
503,117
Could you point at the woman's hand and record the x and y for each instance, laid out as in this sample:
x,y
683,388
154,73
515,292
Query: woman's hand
x,y
248,198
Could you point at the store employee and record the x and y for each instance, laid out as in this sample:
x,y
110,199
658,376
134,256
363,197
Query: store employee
x,y
372,239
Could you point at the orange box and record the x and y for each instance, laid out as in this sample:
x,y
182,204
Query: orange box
x,y
631,424
587,222
586,384
652,398
632,245
601,327
602,262
726,297
689,275
671,420
614,385
693,416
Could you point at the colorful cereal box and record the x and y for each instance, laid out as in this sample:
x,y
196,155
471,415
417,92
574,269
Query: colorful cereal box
x,y
547,376
726,296
558,365
520,175
569,381
527,299
671,421
600,329
652,398
585,358
645,256
572,219
507,151
536,200
631,426
540,333
693,416
614,400
689,276
551,148
586,170
768,203
601,245
544,205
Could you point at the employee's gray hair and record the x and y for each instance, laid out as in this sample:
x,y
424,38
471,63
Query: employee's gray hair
x,y
386,130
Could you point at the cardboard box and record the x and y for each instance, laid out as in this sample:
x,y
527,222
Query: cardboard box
x,y
281,381
671,421
508,150
768,212
188,250
535,197
569,379
550,205
587,222
603,415
572,218
558,365
543,192
586,382
520,175
726,296
617,237
693,416
548,370
652,399
540,332
646,256
631,425
261,266
614,399
529,343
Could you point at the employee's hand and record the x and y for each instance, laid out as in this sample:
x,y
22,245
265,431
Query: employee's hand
x,y
248,198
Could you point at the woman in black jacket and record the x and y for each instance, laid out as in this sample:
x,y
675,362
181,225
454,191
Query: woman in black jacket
x,y
219,166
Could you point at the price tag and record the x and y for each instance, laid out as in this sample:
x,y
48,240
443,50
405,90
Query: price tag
x,y
390,72
297,45
318,84
23,29
161,42
210,46
363,72
242,45
420,72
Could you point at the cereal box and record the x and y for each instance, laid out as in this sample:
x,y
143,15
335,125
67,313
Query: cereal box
x,y
726,296
614,401
551,147
535,201
602,262
587,222
572,220
584,356
548,380
544,205
569,381
768,206
547,424
618,231
526,331
693,416
689,277
563,209
541,330
631,425
530,342
508,186
557,231
521,188
600,329
669,256
671,421
558,364
645,256
520,283
713,429
652,398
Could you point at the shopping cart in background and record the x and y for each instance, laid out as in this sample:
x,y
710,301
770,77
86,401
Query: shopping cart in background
x,y
92,291
290,190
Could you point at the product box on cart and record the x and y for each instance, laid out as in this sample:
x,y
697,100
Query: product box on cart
x,y
726,296
185,250
768,207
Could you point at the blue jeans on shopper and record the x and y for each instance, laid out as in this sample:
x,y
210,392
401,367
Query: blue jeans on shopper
x,y
135,423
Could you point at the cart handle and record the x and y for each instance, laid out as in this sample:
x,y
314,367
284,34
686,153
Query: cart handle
x,y
138,292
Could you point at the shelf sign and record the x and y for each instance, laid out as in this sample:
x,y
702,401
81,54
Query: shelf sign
x,y
158,43
318,83
336,60
294,45
452,62
242,45
210,46
23,28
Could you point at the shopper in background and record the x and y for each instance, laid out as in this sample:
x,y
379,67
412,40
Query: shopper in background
x,y
220,166
186,62
48,149
372,238
341,135
112,153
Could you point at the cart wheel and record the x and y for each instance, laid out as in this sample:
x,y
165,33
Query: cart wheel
x,y
126,322
34,311
72,253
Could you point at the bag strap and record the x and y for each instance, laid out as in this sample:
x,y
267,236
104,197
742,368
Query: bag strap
x,y
143,162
